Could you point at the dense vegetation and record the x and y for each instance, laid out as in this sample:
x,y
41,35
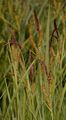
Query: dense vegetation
x,y
32,59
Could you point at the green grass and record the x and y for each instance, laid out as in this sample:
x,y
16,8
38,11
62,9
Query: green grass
x,y
32,60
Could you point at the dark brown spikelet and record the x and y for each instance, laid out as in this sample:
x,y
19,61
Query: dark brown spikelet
x,y
31,72
55,30
49,79
39,29
36,21
14,42
55,27
44,67
45,71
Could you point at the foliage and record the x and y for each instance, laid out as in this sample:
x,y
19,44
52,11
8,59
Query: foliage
x,y
32,60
